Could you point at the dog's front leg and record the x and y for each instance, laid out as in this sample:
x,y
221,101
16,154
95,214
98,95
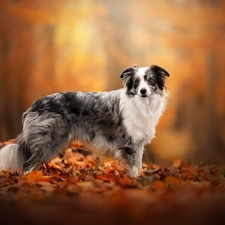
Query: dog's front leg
x,y
133,172
139,157
137,167
133,159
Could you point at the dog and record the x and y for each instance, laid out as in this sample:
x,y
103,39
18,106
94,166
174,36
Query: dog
x,y
114,124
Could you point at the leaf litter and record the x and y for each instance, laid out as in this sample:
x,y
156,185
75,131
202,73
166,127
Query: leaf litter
x,y
76,188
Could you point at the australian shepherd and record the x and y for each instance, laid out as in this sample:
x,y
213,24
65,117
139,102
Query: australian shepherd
x,y
114,124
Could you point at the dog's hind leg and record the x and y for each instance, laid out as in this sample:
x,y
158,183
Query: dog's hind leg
x,y
44,141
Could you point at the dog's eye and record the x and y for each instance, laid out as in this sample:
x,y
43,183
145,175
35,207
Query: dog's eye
x,y
151,82
136,81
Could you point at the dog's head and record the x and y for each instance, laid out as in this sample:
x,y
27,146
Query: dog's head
x,y
144,81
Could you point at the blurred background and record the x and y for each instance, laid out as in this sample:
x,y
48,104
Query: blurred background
x,y
83,45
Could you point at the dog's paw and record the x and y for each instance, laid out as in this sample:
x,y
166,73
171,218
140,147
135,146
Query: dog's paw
x,y
134,172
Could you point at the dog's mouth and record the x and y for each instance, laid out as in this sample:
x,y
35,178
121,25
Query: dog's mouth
x,y
145,95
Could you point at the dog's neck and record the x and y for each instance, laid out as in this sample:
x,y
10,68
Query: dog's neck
x,y
141,115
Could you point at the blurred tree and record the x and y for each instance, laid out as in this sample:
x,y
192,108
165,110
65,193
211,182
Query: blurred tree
x,y
45,47
113,22
16,66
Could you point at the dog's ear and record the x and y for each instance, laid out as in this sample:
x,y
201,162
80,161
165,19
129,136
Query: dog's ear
x,y
128,72
160,74
126,76
159,70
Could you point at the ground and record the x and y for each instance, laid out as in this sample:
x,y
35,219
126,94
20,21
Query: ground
x,y
72,189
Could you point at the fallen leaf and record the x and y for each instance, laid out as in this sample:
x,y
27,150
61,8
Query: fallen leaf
x,y
37,176
125,182
172,183
106,177
85,184
107,169
177,162
157,176
157,184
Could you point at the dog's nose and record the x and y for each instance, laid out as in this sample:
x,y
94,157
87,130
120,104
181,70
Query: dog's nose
x,y
143,91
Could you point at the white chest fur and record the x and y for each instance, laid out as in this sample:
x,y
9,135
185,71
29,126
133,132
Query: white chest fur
x,y
141,116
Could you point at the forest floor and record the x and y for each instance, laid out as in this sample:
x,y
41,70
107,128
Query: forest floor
x,y
71,189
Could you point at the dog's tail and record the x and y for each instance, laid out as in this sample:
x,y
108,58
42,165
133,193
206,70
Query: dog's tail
x,y
11,158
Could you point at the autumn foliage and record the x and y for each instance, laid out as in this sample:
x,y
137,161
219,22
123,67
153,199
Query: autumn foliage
x,y
76,188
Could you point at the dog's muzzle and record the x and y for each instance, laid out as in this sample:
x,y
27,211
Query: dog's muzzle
x,y
143,92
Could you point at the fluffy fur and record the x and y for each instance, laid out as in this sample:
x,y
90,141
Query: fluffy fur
x,y
116,124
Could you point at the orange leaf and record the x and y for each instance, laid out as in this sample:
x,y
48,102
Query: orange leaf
x,y
172,183
157,184
37,176
106,177
107,169
177,162
125,182
85,184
